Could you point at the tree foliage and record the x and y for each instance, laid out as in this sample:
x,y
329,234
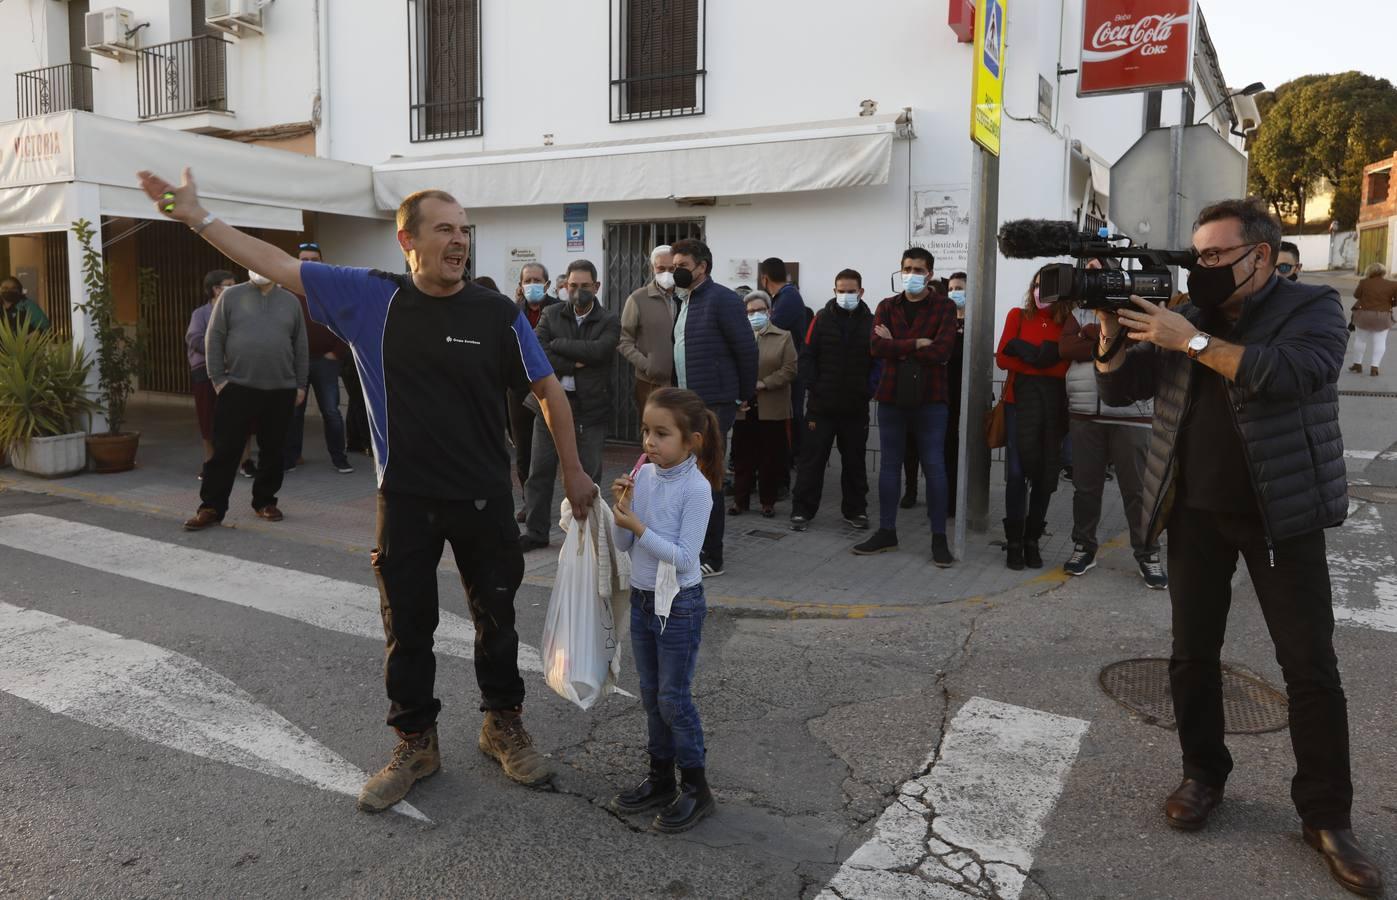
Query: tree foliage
x,y
1322,126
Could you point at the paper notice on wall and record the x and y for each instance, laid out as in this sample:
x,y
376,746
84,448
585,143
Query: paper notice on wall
x,y
742,271
516,258
576,234
941,224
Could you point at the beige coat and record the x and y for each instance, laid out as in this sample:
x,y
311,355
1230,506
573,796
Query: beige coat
x,y
647,334
776,368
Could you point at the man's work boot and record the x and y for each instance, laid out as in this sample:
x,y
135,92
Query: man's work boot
x,y
416,757
694,802
503,737
658,789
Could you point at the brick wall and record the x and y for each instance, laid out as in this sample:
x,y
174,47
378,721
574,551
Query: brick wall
x,y
1376,208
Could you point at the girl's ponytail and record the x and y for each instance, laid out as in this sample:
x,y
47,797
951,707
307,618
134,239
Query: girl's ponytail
x,y
710,461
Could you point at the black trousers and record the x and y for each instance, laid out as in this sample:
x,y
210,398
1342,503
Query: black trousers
x,y
412,533
356,422
237,412
850,433
1295,599
759,454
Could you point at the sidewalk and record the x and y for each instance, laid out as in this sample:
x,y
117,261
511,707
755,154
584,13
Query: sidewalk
x,y
770,569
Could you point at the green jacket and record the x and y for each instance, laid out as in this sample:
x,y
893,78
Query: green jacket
x,y
28,312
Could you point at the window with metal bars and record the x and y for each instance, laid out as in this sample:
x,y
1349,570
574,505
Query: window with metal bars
x,y
657,58
444,69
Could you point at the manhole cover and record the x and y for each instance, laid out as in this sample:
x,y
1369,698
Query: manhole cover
x,y
1249,705
768,535
1373,493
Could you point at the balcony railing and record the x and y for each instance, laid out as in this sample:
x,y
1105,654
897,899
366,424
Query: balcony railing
x,y
54,89
183,77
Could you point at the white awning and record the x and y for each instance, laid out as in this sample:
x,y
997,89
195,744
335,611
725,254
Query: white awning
x,y
245,184
807,157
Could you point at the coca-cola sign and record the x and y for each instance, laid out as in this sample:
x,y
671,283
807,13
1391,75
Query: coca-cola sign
x,y
1135,45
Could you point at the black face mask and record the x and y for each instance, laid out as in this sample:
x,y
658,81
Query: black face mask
x,y
683,277
10,298
1210,287
582,298
1294,275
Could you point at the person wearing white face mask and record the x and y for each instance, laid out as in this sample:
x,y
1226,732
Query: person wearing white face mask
x,y
531,296
759,436
647,328
836,367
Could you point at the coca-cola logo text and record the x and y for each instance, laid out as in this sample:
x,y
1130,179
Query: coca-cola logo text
x,y
1121,35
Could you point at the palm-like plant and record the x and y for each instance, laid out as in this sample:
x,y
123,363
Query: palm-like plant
x,y
43,386
118,354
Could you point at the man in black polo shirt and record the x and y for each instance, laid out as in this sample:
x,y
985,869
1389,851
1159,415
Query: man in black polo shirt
x,y
435,354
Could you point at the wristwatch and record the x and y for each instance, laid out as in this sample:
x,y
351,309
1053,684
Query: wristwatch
x,y
208,220
1197,344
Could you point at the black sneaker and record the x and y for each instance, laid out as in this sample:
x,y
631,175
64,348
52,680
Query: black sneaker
x,y
344,468
247,469
883,540
859,522
941,552
800,523
1082,560
711,570
1153,572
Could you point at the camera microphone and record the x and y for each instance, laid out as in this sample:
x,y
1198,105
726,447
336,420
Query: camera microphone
x,y
1032,238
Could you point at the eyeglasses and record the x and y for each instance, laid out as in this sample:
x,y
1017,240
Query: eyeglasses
x,y
1213,255
310,245
1285,268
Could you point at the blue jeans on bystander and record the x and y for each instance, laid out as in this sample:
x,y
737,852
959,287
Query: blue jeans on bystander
x,y
928,425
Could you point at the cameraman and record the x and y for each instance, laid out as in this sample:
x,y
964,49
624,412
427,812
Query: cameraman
x,y
1246,459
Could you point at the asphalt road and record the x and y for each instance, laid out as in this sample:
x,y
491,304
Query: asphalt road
x,y
167,730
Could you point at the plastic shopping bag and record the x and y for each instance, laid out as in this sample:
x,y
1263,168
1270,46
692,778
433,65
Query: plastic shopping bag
x,y
582,631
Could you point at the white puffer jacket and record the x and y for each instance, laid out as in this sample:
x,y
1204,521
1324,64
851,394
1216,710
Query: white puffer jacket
x,y
1082,396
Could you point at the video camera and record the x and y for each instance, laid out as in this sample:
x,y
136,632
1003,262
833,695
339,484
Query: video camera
x,y
1105,288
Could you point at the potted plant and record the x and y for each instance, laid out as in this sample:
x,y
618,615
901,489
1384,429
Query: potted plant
x,y
43,395
118,356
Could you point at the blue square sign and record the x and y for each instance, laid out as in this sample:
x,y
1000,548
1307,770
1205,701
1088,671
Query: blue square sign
x,y
994,35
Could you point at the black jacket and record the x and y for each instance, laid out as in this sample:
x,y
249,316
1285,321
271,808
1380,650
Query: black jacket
x,y
835,363
593,344
1285,403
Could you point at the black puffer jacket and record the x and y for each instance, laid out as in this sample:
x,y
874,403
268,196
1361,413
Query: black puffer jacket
x,y
835,363
1285,402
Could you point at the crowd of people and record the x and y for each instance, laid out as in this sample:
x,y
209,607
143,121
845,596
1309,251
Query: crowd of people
x,y
1244,459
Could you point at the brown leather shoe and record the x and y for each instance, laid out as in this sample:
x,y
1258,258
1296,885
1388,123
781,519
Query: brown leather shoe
x,y
1349,865
204,518
1188,807
270,513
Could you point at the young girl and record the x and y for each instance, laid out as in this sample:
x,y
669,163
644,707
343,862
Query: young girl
x,y
661,517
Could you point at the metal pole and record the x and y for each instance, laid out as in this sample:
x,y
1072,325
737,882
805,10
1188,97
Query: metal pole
x,y
1176,188
973,484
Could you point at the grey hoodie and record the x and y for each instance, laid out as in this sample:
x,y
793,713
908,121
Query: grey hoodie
x,y
257,341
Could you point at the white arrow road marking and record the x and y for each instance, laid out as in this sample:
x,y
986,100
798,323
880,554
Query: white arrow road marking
x,y
157,695
1364,566
970,825
342,606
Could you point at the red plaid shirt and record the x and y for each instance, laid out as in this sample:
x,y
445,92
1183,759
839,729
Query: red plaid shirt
x,y
934,319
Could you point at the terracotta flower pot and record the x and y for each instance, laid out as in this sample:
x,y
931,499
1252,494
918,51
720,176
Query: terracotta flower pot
x,y
113,452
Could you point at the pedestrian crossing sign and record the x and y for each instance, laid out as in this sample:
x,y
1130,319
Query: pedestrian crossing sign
x,y
987,75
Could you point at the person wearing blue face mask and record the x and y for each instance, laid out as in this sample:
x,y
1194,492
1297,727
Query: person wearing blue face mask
x,y
531,296
760,434
914,335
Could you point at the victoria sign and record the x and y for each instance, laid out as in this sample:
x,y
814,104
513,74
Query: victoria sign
x,y
1135,45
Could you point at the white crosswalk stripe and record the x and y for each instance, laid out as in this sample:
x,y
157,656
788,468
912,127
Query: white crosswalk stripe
x,y
969,826
1363,566
334,605
160,696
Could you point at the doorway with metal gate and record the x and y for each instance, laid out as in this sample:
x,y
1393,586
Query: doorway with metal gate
x,y
627,267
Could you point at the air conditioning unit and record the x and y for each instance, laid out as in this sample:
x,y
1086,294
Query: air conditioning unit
x,y
236,17
108,32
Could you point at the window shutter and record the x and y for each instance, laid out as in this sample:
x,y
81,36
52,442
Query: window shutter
x,y
662,56
449,41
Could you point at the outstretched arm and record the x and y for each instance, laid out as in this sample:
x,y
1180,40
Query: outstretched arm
x,y
182,204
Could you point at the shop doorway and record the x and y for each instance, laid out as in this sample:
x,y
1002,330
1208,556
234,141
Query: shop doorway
x,y
627,266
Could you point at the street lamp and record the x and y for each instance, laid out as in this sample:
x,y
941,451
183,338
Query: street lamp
x,y
1255,87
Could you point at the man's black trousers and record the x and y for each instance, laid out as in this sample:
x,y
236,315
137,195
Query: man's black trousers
x,y
850,433
1295,599
412,533
237,412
